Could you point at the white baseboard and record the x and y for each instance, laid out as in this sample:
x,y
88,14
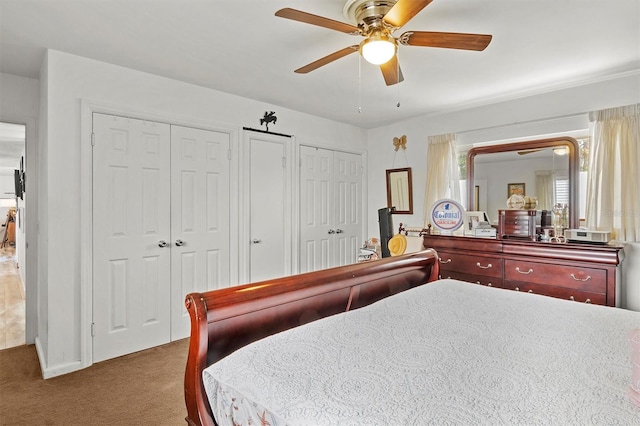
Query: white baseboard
x,y
48,372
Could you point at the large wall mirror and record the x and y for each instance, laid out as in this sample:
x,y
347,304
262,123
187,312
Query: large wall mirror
x,y
547,169
400,190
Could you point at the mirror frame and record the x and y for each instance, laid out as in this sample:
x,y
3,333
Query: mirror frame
x,y
573,171
409,190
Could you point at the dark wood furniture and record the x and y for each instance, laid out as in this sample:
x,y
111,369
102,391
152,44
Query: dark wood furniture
x,y
225,320
523,224
580,272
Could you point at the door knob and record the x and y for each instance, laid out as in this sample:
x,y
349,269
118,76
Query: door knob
x,y
331,231
179,243
339,231
162,243
256,241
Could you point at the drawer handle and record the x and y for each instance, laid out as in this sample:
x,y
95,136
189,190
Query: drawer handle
x,y
444,261
530,291
483,267
490,285
573,299
517,289
525,273
578,279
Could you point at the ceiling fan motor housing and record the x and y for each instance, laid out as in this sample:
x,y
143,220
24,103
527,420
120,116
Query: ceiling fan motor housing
x,y
368,14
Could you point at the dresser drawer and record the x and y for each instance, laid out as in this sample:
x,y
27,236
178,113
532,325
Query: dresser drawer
x,y
516,230
475,279
468,264
557,292
573,277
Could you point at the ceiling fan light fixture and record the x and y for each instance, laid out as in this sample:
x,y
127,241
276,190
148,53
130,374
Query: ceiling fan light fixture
x,y
378,48
563,150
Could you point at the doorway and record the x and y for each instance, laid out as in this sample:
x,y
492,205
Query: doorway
x,y
12,233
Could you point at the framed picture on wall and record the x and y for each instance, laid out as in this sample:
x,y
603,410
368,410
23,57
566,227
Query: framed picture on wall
x,y
515,189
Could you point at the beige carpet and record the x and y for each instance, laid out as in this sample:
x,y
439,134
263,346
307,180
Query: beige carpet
x,y
144,388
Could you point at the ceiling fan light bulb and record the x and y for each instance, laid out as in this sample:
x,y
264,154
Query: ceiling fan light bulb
x,y
377,50
561,150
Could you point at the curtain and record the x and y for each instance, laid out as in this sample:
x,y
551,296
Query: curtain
x,y
613,179
544,189
442,172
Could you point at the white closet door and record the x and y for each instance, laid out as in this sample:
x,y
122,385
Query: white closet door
x,y
330,208
131,277
316,208
270,208
199,217
347,207
266,205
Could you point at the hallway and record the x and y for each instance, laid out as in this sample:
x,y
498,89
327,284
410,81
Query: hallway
x,y
12,301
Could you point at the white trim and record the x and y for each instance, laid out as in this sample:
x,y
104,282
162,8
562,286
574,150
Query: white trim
x,y
60,369
295,197
87,109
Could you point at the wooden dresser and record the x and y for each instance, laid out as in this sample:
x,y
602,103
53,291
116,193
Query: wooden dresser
x,y
580,272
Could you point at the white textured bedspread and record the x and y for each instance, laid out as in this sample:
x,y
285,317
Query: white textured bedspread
x,y
447,352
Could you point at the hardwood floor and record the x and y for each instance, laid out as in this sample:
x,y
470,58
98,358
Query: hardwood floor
x,y
12,301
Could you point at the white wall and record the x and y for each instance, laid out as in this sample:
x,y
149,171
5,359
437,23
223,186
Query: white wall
x,y
563,110
20,103
68,80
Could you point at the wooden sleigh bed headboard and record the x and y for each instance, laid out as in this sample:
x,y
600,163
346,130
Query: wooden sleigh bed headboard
x,y
225,320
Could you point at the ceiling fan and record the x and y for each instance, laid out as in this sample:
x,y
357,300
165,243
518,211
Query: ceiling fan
x,y
562,150
377,20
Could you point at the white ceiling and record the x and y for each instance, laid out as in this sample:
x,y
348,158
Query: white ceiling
x,y
240,47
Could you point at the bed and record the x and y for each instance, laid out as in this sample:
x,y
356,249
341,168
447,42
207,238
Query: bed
x,y
379,347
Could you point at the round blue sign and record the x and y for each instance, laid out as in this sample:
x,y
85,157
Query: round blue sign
x,y
447,215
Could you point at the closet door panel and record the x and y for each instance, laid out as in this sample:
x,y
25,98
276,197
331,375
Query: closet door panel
x,y
316,209
268,185
200,233
348,210
131,276
330,208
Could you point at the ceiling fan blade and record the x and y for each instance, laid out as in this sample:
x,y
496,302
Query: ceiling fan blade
x,y
308,18
446,40
391,71
327,59
528,151
403,11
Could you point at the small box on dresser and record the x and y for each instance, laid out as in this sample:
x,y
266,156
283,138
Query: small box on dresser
x,y
522,224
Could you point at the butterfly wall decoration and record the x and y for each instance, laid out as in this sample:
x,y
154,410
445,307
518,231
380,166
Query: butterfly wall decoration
x,y
400,142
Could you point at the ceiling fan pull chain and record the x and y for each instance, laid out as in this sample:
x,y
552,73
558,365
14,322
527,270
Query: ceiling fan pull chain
x,y
359,84
398,73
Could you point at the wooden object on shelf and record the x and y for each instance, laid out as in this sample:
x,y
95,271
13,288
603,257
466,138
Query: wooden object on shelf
x,y
580,272
523,224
